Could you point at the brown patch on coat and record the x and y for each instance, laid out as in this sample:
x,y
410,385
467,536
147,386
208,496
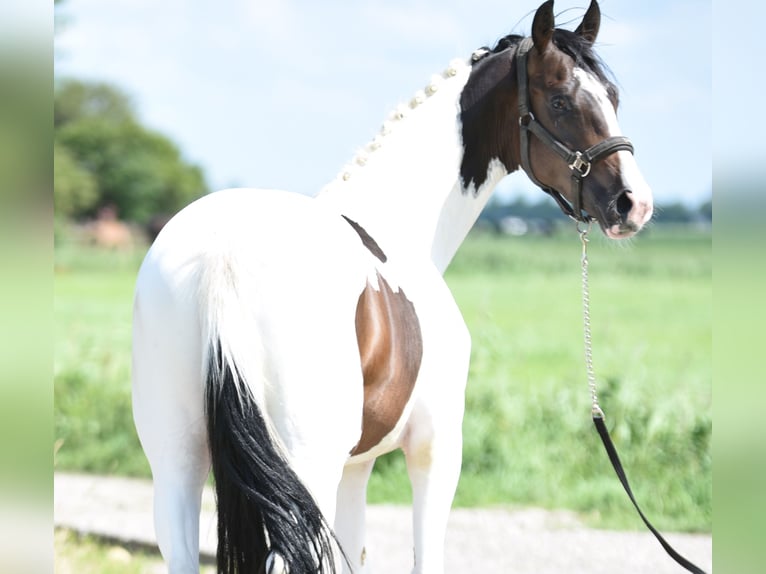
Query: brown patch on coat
x,y
367,240
391,349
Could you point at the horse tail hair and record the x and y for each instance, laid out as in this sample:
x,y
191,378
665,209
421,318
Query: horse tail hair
x,y
263,507
265,512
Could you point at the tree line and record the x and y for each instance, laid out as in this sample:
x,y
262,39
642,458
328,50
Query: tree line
x,y
546,209
105,158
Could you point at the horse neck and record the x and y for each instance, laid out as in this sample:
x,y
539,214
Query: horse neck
x,y
405,187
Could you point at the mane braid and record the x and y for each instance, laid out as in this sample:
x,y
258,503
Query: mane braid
x,y
400,113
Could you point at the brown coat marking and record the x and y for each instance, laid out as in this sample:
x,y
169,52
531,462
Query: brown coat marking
x,y
367,240
390,348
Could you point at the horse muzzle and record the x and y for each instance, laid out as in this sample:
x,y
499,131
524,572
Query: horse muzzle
x,y
627,214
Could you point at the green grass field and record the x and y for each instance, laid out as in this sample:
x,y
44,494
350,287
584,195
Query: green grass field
x,y
528,437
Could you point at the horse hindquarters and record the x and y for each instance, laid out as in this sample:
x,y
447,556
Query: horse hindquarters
x,y
185,422
238,336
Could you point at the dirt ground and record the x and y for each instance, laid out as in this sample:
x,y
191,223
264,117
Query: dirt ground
x,y
518,541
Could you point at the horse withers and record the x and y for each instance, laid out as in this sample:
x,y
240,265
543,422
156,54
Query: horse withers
x,y
287,341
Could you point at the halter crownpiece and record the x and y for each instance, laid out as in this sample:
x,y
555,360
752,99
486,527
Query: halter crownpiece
x,y
579,163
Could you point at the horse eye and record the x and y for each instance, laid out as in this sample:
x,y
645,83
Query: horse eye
x,y
559,103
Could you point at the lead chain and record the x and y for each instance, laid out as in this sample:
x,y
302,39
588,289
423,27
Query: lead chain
x,y
595,408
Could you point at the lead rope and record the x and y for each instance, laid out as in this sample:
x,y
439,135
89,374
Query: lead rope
x,y
598,414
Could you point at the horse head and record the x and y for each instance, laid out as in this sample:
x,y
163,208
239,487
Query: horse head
x,y
554,113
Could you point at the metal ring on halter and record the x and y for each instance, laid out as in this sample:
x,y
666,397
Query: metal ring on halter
x,y
583,232
578,163
526,119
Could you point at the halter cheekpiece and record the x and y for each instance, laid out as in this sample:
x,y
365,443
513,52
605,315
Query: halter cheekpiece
x,y
579,163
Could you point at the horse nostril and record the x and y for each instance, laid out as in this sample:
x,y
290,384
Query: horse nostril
x,y
624,204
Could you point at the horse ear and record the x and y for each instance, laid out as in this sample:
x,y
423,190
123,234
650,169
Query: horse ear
x,y
588,28
542,26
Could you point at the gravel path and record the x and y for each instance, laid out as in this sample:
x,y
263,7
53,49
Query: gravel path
x,y
478,540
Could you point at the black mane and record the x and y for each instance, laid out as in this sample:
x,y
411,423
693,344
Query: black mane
x,y
504,43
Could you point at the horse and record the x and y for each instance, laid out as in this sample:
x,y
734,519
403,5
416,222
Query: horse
x,y
286,341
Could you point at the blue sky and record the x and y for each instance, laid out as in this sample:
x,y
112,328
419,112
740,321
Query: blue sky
x,y
280,93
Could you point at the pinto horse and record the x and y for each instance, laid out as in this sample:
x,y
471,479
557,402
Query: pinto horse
x,y
287,341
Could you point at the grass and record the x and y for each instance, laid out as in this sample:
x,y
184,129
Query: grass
x,y
528,438
93,418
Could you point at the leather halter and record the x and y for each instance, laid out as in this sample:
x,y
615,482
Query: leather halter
x,y
579,162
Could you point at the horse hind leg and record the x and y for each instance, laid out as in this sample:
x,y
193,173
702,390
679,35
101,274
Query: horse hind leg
x,y
169,415
433,454
178,484
170,424
350,515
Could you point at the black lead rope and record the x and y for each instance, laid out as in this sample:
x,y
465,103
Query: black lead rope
x,y
612,452
598,414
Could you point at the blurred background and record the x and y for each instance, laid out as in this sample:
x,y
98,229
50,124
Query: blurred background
x,y
156,104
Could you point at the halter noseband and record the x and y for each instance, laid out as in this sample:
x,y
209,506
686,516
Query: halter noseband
x,y
579,162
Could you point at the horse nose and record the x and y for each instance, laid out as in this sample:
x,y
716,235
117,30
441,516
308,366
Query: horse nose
x,y
624,204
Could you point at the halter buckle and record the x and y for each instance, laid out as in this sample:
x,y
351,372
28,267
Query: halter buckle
x,y
526,119
580,165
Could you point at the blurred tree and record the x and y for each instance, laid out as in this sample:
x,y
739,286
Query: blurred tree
x,y
675,212
76,188
75,100
108,159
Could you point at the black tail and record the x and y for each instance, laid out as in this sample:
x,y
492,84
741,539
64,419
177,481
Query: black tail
x,y
262,505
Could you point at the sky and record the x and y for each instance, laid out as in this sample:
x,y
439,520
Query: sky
x,y
281,93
